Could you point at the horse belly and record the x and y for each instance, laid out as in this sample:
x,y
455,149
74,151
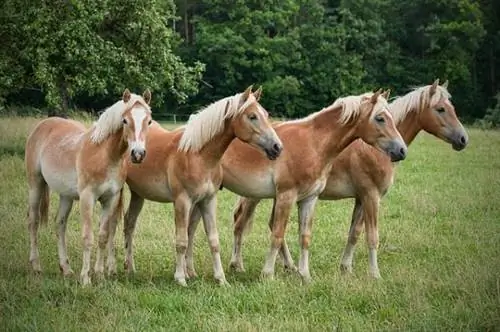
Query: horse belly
x,y
338,188
63,182
157,191
250,185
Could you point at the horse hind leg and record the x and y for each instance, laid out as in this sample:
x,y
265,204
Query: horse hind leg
x,y
129,223
38,204
193,224
242,220
65,206
354,231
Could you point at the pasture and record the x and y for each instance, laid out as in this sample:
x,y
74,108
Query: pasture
x,y
439,259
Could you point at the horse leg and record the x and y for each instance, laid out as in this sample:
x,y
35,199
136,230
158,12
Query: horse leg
x,y
107,219
208,209
284,252
242,219
113,222
87,203
354,231
194,220
283,205
183,207
36,194
65,205
130,220
370,216
306,214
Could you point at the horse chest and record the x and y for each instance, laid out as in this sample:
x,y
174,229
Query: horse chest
x,y
113,182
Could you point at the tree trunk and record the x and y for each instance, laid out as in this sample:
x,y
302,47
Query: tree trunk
x,y
63,92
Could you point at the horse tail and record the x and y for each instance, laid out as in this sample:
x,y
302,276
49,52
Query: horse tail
x,y
243,211
120,207
44,203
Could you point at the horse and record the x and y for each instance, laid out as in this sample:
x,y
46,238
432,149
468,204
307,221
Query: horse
x,y
300,174
186,170
365,174
88,165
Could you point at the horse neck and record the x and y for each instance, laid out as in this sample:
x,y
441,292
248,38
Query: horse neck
x,y
331,136
116,146
214,149
409,127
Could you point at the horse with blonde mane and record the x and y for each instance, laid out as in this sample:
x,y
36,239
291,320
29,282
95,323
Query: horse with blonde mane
x,y
365,174
300,174
86,165
186,170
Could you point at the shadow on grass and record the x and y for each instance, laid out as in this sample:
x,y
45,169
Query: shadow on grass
x,y
12,151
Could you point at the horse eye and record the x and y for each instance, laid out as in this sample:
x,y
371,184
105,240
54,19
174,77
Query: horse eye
x,y
441,110
124,121
149,122
252,117
379,119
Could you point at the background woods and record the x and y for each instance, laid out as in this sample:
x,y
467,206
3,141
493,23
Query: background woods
x,y
64,54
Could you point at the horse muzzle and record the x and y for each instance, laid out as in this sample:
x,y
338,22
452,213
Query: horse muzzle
x,y
397,150
274,151
137,155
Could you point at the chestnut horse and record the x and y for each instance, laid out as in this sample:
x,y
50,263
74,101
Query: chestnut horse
x,y
300,174
186,170
365,174
85,165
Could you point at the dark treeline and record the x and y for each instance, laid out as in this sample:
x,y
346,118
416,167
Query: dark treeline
x,y
64,54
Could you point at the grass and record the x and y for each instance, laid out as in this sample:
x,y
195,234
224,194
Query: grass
x,y
439,258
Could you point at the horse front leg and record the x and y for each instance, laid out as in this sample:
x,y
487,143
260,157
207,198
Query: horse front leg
x,y
242,219
354,231
194,220
306,214
208,209
129,224
183,207
107,227
87,203
370,216
283,205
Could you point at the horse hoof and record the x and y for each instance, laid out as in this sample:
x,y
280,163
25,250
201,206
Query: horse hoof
x,y
345,269
234,266
36,267
375,275
181,282
306,280
223,283
290,269
85,280
129,267
67,272
191,274
265,275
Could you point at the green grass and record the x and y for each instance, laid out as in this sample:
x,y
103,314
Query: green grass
x,y
439,258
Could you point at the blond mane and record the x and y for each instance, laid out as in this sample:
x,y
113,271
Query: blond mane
x,y
416,101
110,121
208,122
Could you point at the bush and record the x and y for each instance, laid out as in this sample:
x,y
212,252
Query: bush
x,y
492,117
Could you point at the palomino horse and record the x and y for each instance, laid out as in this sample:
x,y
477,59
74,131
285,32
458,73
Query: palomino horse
x,y
85,165
186,170
300,174
364,173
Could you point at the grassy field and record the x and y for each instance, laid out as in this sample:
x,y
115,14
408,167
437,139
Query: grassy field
x,y
439,258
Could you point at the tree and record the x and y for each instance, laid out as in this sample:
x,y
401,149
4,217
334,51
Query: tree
x,y
101,47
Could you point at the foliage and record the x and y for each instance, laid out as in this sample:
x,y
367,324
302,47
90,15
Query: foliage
x,y
492,117
305,53
75,47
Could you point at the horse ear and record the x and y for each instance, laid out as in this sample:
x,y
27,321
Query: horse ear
x,y
445,84
434,87
258,93
126,95
386,94
147,96
246,94
375,96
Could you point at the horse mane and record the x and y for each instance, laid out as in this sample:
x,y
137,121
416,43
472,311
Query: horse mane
x,y
208,122
110,121
416,101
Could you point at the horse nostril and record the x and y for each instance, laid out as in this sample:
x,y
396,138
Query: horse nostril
x,y
276,147
402,151
462,140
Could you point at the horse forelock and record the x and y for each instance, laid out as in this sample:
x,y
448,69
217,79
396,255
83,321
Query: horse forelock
x,y
416,101
110,121
209,121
